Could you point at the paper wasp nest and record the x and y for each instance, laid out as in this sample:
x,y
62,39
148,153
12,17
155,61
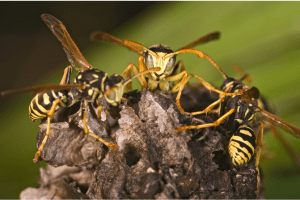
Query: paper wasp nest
x,y
152,161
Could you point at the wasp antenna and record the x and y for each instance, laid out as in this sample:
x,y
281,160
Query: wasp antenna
x,y
141,73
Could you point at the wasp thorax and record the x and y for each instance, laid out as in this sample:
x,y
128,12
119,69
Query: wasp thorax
x,y
92,80
160,56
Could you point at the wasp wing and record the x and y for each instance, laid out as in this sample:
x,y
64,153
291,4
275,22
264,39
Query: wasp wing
x,y
202,40
280,123
105,37
244,76
74,55
43,88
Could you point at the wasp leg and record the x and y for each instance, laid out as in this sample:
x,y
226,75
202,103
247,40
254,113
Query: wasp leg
x,y
180,66
215,124
66,79
50,114
135,70
99,108
211,88
203,55
208,108
259,140
179,87
186,78
86,130
124,99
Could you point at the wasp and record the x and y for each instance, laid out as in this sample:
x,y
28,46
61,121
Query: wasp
x,y
89,85
164,57
238,113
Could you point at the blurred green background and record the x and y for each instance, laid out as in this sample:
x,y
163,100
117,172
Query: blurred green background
x,y
263,38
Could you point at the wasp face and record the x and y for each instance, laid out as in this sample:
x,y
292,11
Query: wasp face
x,y
113,89
160,56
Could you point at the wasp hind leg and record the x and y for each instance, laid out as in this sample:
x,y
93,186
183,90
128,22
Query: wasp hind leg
x,y
86,130
215,124
259,140
50,114
66,79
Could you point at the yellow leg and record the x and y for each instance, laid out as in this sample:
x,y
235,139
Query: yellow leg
x,y
180,86
259,140
203,55
99,108
211,88
86,130
182,69
127,74
67,75
186,78
124,99
142,67
135,70
215,124
208,108
50,114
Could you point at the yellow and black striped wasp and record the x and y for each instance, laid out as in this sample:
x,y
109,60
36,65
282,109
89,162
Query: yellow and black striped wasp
x,y
164,57
238,113
89,85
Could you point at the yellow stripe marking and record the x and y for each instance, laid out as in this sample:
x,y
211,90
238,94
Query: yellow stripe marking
x,y
42,109
95,75
237,157
250,119
93,81
102,82
237,144
90,92
46,99
245,132
54,95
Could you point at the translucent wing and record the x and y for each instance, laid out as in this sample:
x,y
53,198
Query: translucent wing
x,y
105,37
278,135
43,88
75,57
244,76
280,123
202,40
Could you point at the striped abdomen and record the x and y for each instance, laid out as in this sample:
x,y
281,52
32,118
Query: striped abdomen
x,y
41,104
242,145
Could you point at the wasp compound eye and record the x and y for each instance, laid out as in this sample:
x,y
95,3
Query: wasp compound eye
x,y
148,60
170,64
112,95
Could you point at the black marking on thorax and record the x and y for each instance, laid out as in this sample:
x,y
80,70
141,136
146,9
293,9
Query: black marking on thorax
x,y
92,79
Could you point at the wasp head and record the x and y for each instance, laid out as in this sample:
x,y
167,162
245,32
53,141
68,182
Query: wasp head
x,y
160,56
113,89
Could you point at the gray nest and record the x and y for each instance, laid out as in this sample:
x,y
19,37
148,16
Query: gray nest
x,y
152,162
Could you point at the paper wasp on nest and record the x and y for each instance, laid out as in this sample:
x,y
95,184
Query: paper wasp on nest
x,y
165,58
238,114
89,85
